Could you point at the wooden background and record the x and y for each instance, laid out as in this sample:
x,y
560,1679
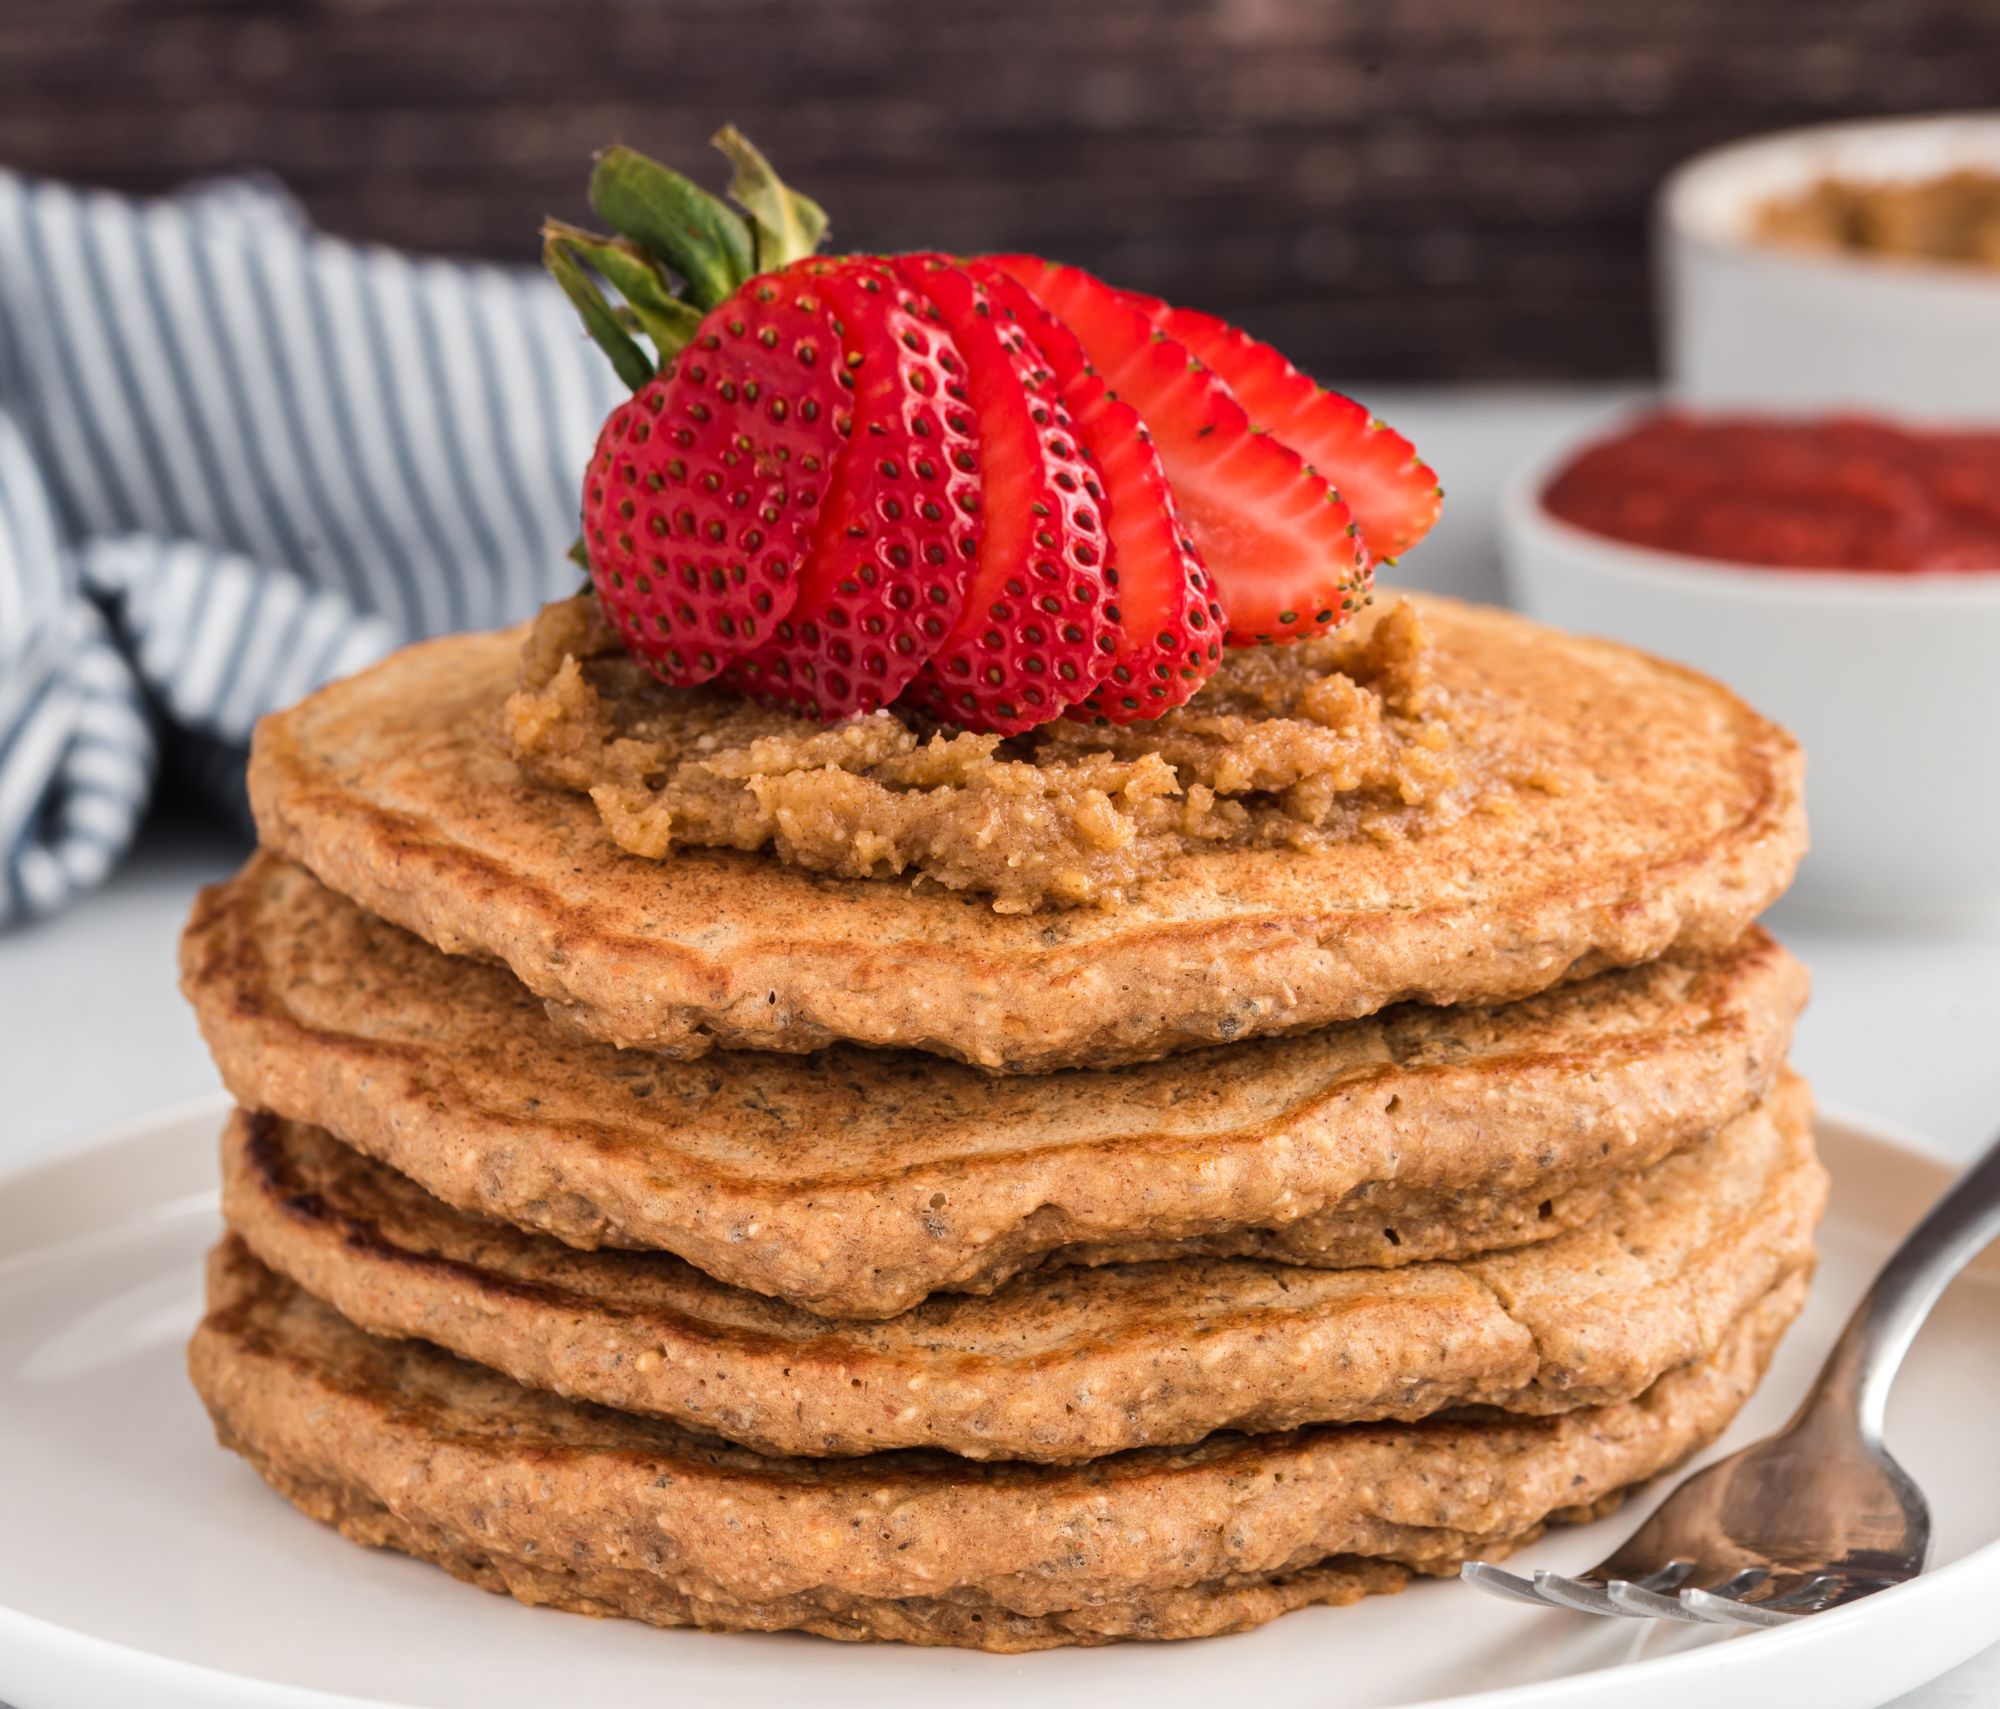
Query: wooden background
x,y
1389,188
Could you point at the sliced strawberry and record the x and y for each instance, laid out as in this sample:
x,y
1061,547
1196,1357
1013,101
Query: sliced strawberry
x,y
1170,627
1282,547
703,493
1392,492
1034,636
899,527
1059,348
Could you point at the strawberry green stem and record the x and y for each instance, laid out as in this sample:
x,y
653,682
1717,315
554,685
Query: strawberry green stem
x,y
672,229
784,225
680,223
600,320
661,316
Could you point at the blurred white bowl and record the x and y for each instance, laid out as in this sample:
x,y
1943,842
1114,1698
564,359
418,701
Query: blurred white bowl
x,y
1752,323
1891,683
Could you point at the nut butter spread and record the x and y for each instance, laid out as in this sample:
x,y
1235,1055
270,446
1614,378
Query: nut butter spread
x,y
1343,736
1952,217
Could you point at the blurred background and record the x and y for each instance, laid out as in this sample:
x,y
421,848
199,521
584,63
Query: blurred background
x,y
1422,190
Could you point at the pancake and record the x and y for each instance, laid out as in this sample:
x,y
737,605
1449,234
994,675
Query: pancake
x,y
1062,1364
1680,819
857,1182
571,1505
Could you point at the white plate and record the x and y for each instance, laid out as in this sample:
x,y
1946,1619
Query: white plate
x,y
140,1565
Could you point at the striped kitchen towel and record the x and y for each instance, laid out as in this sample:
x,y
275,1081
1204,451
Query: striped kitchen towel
x,y
239,458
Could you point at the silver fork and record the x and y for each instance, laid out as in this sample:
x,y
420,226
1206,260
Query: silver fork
x,y
1818,1515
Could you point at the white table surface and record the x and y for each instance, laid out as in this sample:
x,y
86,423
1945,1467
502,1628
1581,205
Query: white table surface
x,y
1904,1029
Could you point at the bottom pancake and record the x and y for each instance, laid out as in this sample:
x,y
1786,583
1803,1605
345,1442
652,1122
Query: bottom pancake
x,y
574,1506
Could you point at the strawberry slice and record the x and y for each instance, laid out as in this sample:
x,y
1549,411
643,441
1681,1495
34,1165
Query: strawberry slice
x,y
1034,636
1170,627
1062,355
898,532
1392,492
1171,623
703,493
1282,547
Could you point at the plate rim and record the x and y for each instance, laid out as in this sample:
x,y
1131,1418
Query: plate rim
x,y
121,1664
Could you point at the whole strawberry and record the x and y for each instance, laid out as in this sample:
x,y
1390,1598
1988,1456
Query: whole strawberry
x,y
994,491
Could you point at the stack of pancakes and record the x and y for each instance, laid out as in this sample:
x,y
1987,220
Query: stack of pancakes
x,y
1313,1219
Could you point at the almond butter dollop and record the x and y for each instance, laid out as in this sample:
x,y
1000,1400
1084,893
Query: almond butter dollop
x,y
1341,736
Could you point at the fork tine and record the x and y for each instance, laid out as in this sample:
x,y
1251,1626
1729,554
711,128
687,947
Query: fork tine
x,y
1496,1581
1574,1593
1805,1594
1745,1583
1630,1598
1728,1610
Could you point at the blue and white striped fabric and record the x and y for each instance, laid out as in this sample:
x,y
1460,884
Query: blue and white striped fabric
x,y
238,458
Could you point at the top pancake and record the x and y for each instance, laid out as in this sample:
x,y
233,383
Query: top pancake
x,y
1680,821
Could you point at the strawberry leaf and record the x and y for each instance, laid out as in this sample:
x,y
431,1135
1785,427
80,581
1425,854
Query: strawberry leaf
x,y
674,221
786,226
659,314
600,320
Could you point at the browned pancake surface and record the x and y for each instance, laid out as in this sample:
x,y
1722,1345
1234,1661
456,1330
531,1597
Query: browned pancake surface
x,y
1680,821
857,1182
585,1508
1061,1364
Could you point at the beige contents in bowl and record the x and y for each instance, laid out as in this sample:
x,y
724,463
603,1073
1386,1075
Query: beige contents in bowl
x,y
1951,217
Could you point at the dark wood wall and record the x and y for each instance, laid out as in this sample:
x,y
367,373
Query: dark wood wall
x,y
1406,188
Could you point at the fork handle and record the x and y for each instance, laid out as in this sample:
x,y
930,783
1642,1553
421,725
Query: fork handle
x,y
1863,1364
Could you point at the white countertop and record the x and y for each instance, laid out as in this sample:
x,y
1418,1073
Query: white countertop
x,y
1904,1029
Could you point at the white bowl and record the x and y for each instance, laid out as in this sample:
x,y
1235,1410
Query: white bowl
x,y
1890,682
1751,323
